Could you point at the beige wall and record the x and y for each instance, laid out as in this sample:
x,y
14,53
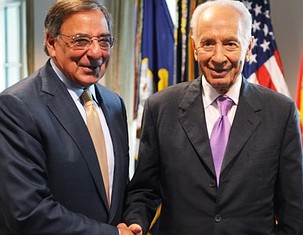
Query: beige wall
x,y
287,21
40,9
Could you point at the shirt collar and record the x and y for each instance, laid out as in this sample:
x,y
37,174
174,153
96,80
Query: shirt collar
x,y
209,94
74,91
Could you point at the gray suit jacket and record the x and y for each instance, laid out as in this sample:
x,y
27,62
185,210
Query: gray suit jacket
x,y
261,176
50,181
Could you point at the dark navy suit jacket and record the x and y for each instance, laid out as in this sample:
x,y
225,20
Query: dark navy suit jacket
x,y
50,181
261,175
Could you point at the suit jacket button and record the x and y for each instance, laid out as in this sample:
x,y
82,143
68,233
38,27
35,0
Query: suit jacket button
x,y
212,183
218,218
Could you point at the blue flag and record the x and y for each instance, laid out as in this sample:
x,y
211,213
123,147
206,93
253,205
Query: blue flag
x,y
157,52
158,41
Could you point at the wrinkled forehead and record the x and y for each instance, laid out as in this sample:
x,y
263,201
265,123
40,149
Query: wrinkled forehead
x,y
86,22
219,19
222,20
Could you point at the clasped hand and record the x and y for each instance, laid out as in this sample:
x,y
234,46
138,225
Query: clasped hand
x,y
133,229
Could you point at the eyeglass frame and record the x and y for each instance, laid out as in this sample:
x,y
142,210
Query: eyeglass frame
x,y
89,41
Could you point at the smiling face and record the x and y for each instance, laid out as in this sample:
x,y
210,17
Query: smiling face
x,y
220,48
82,67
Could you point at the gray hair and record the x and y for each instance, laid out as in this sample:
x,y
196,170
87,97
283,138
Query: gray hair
x,y
246,20
62,9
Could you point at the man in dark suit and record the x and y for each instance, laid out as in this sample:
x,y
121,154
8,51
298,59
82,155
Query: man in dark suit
x,y
257,189
50,176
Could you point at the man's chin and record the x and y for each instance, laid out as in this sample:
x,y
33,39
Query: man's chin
x,y
219,83
221,86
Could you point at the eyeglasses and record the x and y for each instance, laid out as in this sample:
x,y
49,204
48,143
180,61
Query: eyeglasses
x,y
82,42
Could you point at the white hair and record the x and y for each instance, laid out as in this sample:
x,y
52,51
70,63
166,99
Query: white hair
x,y
246,20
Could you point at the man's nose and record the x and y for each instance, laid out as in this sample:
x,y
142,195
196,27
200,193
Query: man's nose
x,y
219,54
94,49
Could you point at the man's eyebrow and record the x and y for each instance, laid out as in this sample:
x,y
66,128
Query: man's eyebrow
x,y
105,35
86,35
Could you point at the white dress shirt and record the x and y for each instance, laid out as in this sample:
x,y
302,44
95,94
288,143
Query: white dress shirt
x,y
209,96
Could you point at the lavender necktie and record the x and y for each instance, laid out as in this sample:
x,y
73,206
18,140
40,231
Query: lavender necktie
x,y
220,133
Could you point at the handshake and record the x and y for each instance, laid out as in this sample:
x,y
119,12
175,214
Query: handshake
x,y
133,229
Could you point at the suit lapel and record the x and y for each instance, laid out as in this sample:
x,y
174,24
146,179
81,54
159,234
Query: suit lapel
x,y
64,109
192,119
244,124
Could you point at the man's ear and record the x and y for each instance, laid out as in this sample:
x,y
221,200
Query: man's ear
x,y
249,49
194,48
50,44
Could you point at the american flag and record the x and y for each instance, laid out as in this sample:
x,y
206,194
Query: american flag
x,y
265,66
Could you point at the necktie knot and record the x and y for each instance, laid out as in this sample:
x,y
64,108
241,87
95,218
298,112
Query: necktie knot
x,y
224,104
87,97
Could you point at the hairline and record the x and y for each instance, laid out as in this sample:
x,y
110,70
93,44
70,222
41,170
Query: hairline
x,y
246,22
61,10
